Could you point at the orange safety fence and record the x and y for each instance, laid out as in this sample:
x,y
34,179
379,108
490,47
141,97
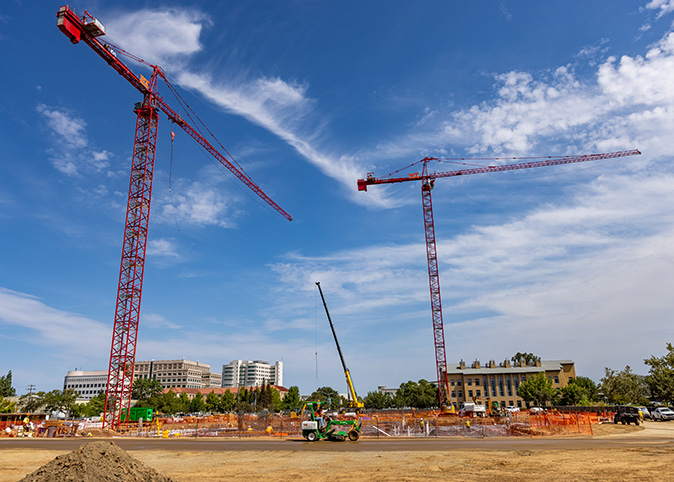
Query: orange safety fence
x,y
380,424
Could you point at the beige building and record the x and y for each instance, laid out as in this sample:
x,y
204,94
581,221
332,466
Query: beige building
x,y
500,382
178,373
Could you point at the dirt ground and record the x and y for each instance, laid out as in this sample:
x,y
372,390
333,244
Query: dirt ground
x,y
652,461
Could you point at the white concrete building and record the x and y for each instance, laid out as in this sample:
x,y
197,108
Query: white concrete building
x,y
240,373
87,384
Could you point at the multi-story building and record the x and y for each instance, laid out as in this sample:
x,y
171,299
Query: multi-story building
x,y
177,373
87,384
500,382
240,373
170,373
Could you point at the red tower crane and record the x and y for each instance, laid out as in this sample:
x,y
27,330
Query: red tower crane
x,y
427,181
127,311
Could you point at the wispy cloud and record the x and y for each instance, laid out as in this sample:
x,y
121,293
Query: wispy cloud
x,y
162,248
280,106
663,6
198,203
70,152
48,326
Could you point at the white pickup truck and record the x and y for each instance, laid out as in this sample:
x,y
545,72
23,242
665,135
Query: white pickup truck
x,y
662,413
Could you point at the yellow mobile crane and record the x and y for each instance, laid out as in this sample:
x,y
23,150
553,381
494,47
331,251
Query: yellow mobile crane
x,y
353,403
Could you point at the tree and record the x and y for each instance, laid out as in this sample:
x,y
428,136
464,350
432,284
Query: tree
x,y
537,390
660,378
292,400
589,389
212,402
275,400
169,403
184,400
378,400
571,394
227,400
624,387
197,404
527,358
329,395
6,406
95,406
144,389
31,402
60,400
6,388
422,394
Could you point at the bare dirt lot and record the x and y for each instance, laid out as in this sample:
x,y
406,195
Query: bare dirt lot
x,y
614,453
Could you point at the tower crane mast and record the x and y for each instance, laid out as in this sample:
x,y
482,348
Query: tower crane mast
x,y
88,29
427,182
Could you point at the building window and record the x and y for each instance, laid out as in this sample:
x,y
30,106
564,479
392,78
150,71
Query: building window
x,y
469,382
451,383
470,393
453,394
556,379
478,393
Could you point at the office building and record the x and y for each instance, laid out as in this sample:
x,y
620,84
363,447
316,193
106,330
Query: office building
x,y
240,373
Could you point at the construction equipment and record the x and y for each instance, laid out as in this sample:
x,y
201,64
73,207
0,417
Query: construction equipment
x,y
353,402
427,182
322,427
127,312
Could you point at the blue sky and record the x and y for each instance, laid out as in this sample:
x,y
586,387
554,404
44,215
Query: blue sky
x,y
569,262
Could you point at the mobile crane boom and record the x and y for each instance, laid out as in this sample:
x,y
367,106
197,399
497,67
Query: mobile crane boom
x,y
354,403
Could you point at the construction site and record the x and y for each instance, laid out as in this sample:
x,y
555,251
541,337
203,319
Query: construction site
x,y
471,436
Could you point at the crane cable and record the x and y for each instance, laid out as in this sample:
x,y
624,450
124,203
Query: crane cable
x,y
175,210
173,136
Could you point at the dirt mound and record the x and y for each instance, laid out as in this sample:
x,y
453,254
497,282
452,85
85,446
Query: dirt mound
x,y
96,462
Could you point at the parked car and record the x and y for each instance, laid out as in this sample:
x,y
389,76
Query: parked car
x,y
663,413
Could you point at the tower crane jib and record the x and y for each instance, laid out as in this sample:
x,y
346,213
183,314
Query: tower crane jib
x,y
427,181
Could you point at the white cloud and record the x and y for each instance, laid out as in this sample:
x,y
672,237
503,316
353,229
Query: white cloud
x,y
162,247
627,104
280,106
153,320
197,203
68,129
158,36
50,327
664,6
70,152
